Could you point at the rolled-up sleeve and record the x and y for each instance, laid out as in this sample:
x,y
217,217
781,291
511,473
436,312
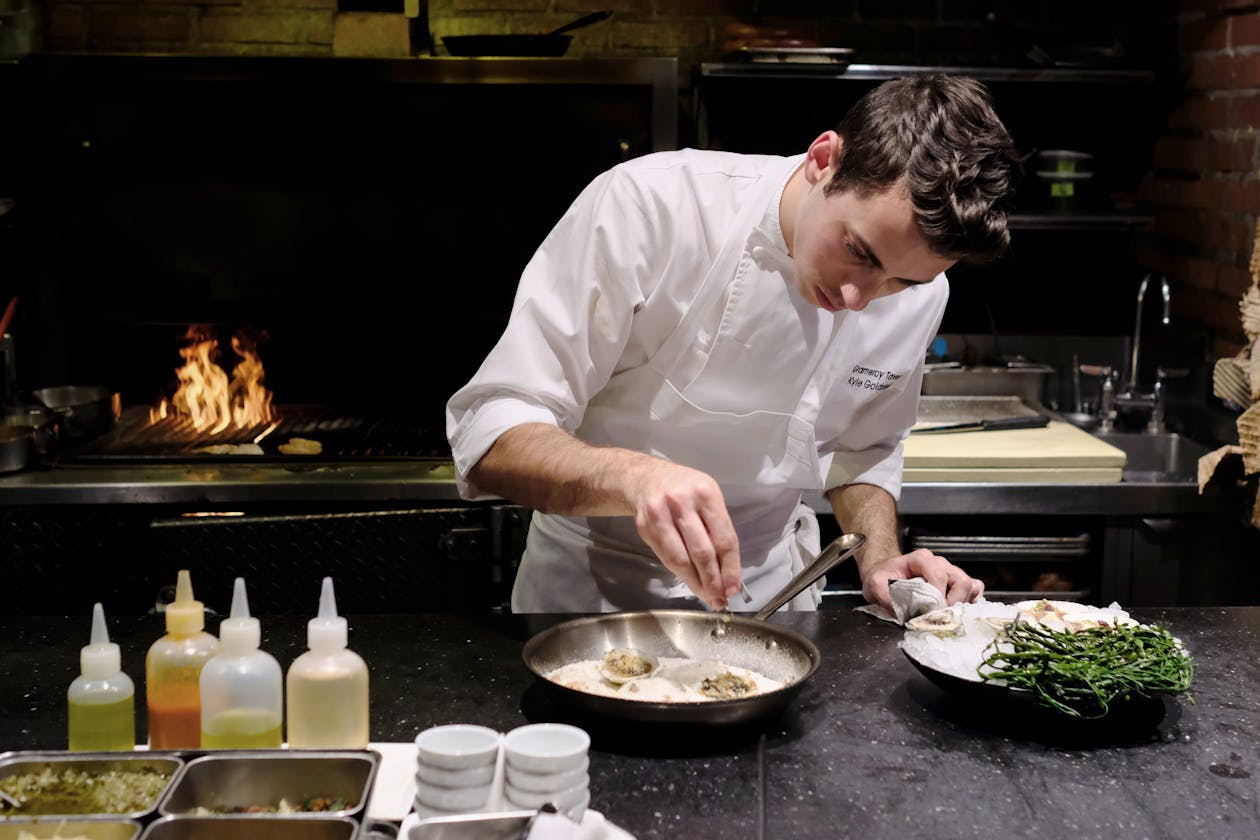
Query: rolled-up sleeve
x,y
570,321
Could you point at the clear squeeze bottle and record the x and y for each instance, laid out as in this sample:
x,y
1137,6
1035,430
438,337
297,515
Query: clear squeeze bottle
x,y
102,699
172,671
242,703
328,685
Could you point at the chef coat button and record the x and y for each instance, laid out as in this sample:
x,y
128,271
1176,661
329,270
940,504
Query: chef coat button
x,y
759,252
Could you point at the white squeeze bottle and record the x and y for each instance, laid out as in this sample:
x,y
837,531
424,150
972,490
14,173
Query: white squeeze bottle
x,y
242,692
328,685
102,699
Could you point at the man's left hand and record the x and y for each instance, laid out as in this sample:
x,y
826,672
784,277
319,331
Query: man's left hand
x,y
955,584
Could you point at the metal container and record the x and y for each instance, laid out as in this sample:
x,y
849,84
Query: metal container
x,y
252,778
506,825
249,828
1024,381
85,410
91,829
17,448
45,423
17,763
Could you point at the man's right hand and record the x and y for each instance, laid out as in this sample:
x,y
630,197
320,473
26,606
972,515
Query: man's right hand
x,y
679,511
682,516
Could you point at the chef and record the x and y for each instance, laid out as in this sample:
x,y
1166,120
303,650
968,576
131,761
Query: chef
x,y
704,336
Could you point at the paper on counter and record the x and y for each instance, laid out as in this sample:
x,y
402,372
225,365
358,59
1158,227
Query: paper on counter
x,y
909,598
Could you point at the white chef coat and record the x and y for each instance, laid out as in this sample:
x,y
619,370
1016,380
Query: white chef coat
x,y
662,314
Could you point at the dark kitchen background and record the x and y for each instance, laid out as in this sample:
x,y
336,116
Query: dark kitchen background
x,y
322,172
374,223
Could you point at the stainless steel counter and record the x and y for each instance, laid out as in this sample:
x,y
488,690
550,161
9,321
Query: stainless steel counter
x,y
399,481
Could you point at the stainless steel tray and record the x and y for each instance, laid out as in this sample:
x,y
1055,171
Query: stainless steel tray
x,y
245,778
96,829
938,410
18,762
246,828
1025,381
506,825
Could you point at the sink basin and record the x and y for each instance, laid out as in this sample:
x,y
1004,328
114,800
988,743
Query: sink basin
x,y
1166,456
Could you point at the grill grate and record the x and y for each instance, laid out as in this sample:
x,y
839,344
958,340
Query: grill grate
x,y
345,434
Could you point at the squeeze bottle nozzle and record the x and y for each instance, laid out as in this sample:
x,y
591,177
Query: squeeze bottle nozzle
x,y
240,632
327,631
101,658
185,616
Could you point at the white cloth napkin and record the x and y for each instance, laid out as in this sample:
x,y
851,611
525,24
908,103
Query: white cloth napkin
x,y
593,827
909,598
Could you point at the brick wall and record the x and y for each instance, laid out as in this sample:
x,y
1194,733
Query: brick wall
x,y
1204,183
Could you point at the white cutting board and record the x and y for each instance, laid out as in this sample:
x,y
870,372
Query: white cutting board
x,y
1039,454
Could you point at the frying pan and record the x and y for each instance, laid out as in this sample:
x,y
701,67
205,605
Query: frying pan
x,y
552,44
85,410
777,652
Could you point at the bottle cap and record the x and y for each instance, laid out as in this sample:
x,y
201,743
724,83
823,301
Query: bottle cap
x,y
328,631
185,616
239,633
100,659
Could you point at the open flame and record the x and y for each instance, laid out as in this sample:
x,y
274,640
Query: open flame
x,y
206,396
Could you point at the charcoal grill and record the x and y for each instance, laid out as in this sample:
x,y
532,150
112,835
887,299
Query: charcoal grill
x,y
346,434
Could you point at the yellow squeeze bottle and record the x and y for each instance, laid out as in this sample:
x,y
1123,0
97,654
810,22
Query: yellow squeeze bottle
x,y
172,672
242,703
102,699
328,685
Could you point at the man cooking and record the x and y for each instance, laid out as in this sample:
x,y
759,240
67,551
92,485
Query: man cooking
x,y
704,336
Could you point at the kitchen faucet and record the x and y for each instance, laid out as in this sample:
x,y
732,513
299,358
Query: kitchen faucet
x,y
1131,388
1111,398
1131,396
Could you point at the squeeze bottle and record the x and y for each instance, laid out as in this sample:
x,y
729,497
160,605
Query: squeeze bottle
x,y
172,672
102,699
328,685
242,703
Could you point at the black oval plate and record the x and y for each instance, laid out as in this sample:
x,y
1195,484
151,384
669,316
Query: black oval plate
x,y
970,688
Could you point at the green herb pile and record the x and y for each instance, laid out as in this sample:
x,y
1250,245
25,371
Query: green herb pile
x,y
1082,673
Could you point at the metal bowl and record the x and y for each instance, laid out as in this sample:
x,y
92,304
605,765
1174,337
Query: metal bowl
x,y
777,652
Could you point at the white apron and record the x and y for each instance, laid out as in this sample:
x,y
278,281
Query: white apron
x,y
734,391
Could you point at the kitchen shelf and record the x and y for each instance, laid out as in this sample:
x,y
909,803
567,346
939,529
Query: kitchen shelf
x,y
882,72
1082,221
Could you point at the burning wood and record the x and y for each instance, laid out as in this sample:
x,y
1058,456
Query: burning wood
x,y
206,396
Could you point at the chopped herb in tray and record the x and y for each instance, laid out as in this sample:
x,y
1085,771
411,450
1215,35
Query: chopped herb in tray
x,y
284,806
74,791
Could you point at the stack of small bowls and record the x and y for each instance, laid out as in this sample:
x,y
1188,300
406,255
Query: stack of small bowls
x,y
455,767
548,762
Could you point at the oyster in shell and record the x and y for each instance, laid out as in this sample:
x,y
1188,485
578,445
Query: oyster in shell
x,y
943,623
1076,622
623,665
727,686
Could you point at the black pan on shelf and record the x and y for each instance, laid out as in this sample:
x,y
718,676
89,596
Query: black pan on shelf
x,y
550,45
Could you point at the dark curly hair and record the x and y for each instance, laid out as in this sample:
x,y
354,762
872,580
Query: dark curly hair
x,y
940,137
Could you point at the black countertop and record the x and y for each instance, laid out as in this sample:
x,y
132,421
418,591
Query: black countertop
x,y
868,749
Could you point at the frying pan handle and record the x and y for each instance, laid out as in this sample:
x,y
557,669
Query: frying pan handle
x,y
585,20
840,549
